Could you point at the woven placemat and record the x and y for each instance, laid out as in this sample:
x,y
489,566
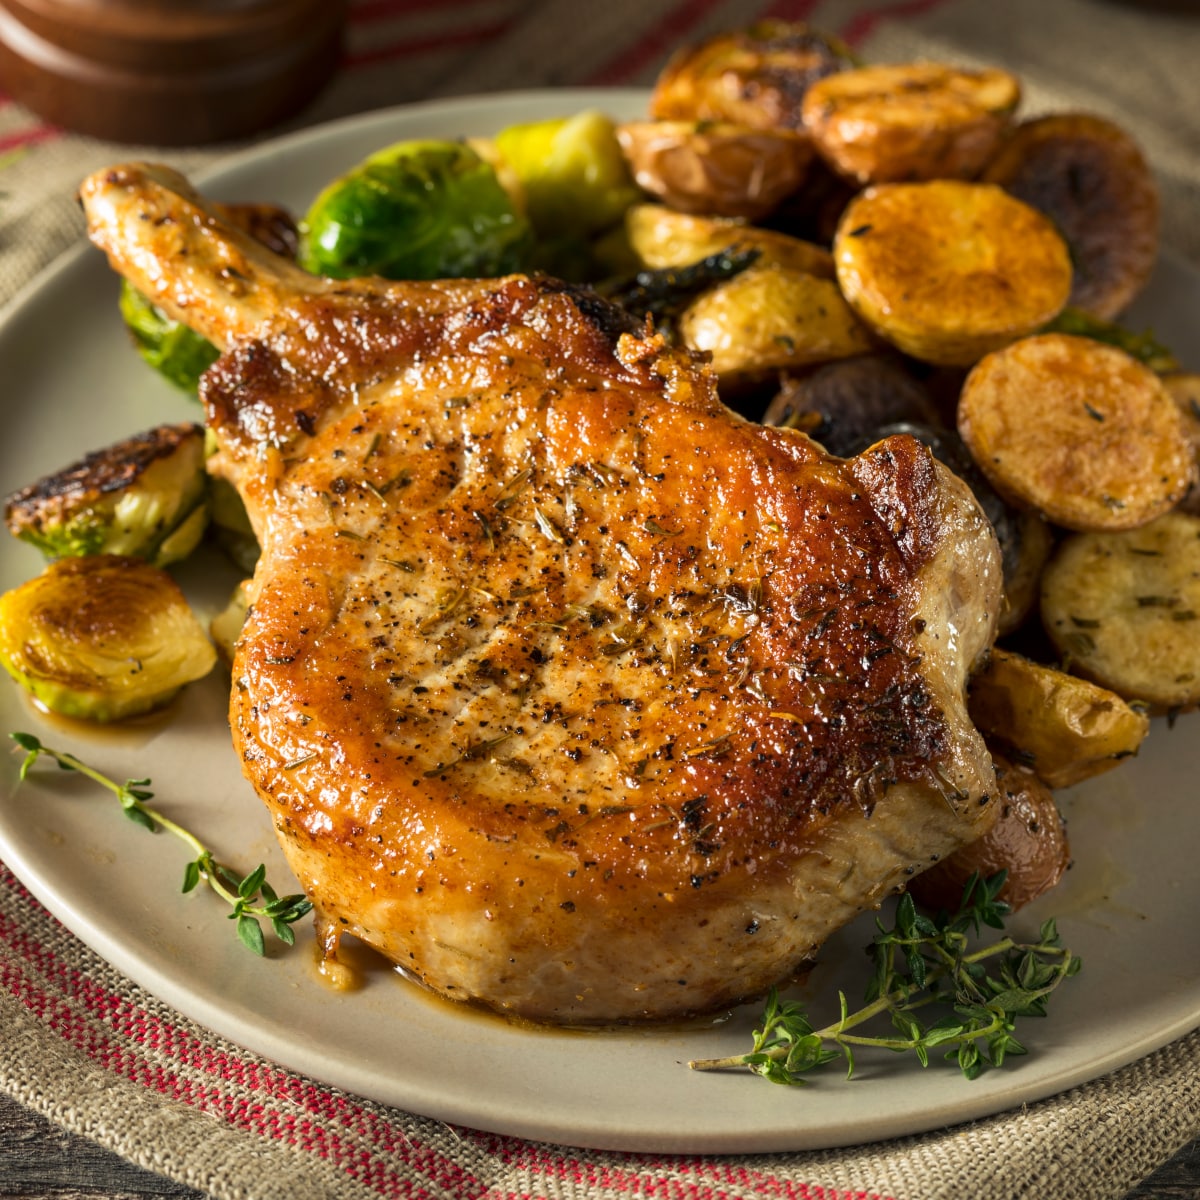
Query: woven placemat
x,y
83,1045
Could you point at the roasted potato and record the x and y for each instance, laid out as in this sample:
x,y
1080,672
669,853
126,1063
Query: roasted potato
x,y
661,237
755,76
1028,841
718,168
1077,430
886,124
1063,728
102,637
841,404
1184,389
1089,177
772,318
949,271
1122,608
1029,549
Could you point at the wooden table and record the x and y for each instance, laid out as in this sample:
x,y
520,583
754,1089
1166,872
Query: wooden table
x,y
40,1161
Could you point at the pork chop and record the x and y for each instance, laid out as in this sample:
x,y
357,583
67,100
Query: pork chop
x,y
570,691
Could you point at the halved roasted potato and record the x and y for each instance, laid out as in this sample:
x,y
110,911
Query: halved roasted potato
x,y
1077,430
885,124
1089,177
1184,388
102,637
755,76
772,318
1028,841
1124,609
662,237
1031,543
1063,728
948,271
715,167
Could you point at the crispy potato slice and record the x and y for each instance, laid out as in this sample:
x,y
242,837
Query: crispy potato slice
x,y
1028,840
1089,177
1124,609
1063,728
949,271
727,170
662,238
1184,388
755,76
1077,430
883,124
771,318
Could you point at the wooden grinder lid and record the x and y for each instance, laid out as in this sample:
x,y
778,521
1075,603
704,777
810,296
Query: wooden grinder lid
x,y
167,72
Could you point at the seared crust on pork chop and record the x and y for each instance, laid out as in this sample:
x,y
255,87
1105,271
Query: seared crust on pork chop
x,y
567,689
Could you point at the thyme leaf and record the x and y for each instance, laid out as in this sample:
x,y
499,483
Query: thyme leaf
x,y
250,898
921,961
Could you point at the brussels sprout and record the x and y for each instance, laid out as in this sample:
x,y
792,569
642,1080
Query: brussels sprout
x,y
231,525
417,210
226,626
102,638
145,496
169,346
573,173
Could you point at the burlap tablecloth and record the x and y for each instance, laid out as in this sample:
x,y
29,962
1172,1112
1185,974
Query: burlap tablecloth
x,y
81,1044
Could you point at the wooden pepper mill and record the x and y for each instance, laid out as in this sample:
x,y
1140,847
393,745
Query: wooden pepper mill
x,y
167,72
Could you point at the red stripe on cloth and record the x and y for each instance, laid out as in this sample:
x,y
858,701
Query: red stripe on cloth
x,y
790,10
862,24
654,45
316,1129
29,137
427,45
181,1048
367,11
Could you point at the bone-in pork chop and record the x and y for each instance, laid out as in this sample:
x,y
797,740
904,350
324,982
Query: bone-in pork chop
x,y
567,689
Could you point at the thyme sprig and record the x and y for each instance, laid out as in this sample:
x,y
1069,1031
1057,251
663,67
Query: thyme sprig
x,y
250,897
921,961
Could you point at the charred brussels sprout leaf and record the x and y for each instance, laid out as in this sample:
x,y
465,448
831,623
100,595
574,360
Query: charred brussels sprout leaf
x,y
170,347
102,638
417,210
144,496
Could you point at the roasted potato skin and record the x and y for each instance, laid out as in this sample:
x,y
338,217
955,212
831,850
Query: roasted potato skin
x,y
915,121
1184,388
843,404
755,76
1063,728
1089,177
716,168
771,318
1078,431
662,237
1122,608
948,271
1028,841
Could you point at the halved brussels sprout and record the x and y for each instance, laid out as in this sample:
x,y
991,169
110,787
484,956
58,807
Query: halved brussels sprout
x,y
102,638
169,346
226,626
417,210
231,525
145,496
571,171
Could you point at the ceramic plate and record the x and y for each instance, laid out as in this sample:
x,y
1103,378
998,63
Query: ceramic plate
x,y
72,383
